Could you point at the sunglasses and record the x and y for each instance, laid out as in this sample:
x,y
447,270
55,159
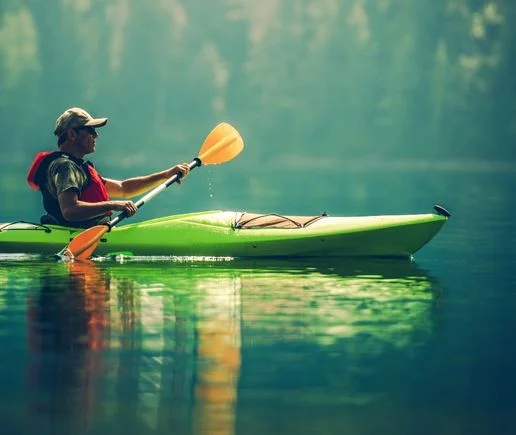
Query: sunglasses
x,y
90,130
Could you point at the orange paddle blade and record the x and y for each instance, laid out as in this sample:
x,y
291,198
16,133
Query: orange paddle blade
x,y
221,145
83,244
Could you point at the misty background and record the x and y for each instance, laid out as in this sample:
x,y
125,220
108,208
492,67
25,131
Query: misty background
x,y
351,106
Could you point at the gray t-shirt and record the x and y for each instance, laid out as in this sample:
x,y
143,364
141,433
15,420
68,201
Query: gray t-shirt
x,y
63,174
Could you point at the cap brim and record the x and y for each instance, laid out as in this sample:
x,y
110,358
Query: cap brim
x,y
98,122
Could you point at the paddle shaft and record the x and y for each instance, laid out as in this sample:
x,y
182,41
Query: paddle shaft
x,y
156,191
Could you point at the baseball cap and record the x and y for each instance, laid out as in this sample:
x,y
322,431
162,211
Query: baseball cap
x,y
77,117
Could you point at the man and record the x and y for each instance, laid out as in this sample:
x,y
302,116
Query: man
x,y
74,193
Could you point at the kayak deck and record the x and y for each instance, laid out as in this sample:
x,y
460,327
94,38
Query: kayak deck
x,y
214,234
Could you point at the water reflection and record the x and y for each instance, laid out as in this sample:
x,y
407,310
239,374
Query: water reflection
x,y
109,345
343,336
146,347
66,323
384,300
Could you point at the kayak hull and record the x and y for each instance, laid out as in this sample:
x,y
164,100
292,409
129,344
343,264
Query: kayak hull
x,y
213,234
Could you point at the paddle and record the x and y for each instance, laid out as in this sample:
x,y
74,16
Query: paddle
x,y
223,143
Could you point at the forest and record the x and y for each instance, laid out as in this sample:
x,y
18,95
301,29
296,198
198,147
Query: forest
x,y
382,78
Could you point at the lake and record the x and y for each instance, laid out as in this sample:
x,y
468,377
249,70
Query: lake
x,y
135,346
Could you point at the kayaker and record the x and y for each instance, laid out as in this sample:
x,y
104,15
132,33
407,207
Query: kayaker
x,y
74,193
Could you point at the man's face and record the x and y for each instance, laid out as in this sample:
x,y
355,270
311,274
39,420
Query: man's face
x,y
85,139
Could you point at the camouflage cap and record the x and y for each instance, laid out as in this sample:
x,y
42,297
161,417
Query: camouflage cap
x,y
76,117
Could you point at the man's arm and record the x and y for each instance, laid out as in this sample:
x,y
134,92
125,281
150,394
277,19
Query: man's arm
x,y
75,210
135,186
65,180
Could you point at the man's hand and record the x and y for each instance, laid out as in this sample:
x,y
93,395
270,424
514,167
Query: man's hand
x,y
182,169
127,207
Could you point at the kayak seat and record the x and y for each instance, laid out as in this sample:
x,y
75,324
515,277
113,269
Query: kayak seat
x,y
272,220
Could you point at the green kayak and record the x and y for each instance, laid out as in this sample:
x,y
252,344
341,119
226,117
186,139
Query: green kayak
x,y
239,234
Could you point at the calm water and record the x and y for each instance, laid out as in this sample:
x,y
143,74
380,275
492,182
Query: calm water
x,y
247,347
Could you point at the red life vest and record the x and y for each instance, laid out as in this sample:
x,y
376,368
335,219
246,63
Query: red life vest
x,y
93,191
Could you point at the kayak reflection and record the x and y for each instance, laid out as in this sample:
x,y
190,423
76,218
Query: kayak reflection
x,y
183,346
312,327
381,299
